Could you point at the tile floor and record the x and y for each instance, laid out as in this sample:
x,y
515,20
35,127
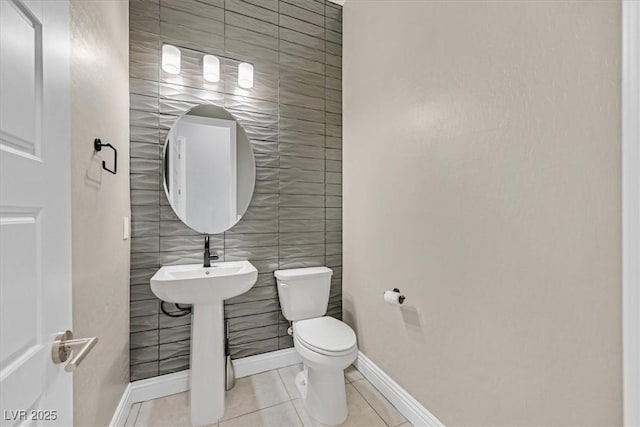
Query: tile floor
x,y
272,399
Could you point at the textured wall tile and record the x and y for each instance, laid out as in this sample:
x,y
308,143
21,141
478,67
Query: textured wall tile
x,y
334,201
302,175
334,178
143,339
255,294
309,15
191,38
252,335
251,37
246,226
246,8
289,162
311,5
295,49
144,354
143,323
292,116
333,95
265,266
300,251
302,213
265,279
301,225
178,333
302,26
202,20
142,292
250,240
302,113
144,370
176,364
333,225
185,243
333,237
334,249
333,25
316,261
302,150
141,102
238,254
296,62
334,261
303,101
293,187
193,8
302,39
175,349
253,348
144,308
172,322
251,308
333,166
144,228
285,342
244,21
251,51
269,4
187,257
302,238
145,260
252,321
334,213
288,138
176,228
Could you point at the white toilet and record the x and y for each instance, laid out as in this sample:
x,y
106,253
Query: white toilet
x,y
326,345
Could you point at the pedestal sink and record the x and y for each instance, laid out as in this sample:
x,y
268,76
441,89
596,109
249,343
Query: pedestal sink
x,y
205,288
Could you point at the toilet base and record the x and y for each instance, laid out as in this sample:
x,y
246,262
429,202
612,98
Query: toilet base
x,y
324,395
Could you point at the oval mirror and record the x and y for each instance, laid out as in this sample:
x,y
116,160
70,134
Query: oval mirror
x,y
209,169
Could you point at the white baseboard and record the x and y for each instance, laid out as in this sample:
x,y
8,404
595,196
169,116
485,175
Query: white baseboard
x,y
252,365
412,410
122,410
165,385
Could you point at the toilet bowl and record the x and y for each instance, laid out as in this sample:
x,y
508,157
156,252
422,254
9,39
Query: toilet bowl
x,y
325,345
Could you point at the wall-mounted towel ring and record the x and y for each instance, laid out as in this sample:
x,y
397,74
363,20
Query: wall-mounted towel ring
x,y
97,145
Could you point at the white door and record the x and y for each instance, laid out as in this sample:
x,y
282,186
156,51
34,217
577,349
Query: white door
x,y
35,211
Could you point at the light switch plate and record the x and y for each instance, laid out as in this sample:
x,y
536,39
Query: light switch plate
x,y
126,228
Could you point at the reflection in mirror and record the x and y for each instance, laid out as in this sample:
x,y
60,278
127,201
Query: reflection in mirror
x,y
209,169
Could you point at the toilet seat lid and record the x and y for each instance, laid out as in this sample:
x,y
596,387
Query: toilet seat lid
x,y
325,334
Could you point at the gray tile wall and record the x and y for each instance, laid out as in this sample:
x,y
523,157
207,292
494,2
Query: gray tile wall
x,y
293,116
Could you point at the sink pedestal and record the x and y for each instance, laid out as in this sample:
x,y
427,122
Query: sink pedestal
x,y
206,395
205,288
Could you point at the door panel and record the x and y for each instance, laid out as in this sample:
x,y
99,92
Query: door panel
x,y
35,214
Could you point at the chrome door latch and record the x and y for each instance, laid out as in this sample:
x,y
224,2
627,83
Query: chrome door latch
x,y
64,346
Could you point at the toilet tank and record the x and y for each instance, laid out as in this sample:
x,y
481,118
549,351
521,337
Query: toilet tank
x,y
304,292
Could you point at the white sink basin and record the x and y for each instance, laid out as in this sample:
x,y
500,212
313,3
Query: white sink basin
x,y
195,284
205,288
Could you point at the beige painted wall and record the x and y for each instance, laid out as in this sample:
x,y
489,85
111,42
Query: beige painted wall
x,y
100,108
482,178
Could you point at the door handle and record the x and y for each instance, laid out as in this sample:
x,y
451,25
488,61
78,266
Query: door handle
x,y
64,346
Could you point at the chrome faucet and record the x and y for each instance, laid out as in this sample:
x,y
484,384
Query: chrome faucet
x,y
207,255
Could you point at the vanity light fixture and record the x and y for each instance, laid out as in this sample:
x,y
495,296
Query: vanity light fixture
x,y
170,59
245,75
211,68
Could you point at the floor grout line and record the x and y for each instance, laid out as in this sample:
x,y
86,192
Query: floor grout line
x,y
369,404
